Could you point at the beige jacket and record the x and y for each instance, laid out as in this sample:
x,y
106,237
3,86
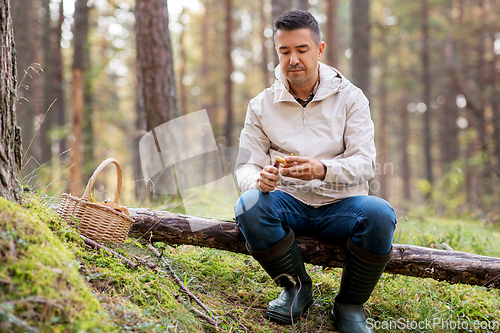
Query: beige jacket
x,y
335,128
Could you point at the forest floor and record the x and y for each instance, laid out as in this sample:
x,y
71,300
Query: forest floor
x,y
50,281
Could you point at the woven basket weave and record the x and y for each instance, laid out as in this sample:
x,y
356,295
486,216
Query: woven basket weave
x,y
96,221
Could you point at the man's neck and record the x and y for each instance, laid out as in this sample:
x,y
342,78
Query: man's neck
x,y
303,91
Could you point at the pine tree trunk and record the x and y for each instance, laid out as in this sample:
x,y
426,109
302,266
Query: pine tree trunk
x,y
141,192
60,105
44,139
360,40
426,87
403,139
155,69
10,133
80,40
25,107
88,98
206,63
383,119
183,71
495,105
157,92
265,54
332,47
228,126
494,98
448,132
278,8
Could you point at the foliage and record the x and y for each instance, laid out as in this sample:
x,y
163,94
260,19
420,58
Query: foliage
x,y
463,34
449,198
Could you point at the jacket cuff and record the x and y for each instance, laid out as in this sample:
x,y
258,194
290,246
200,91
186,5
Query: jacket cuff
x,y
330,176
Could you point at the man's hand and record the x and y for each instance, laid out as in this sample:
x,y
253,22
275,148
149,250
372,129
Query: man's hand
x,y
304,168
268,180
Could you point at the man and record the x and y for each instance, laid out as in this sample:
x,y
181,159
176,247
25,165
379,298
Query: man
x,y
315,113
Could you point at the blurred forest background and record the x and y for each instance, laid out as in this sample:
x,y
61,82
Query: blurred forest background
x,y
95,75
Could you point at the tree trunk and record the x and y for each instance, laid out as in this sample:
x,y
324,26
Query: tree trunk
x,y
47,124
141,192
472,136
484,84
10,133
77,131
409,260
265,51
383,119
182,88
495,105
80,41
278,8
88,99
494,96
206,62
157,92
206,66
60,105
405,168
332,41
155,67
448,133
426,86
25,108
463,57
360,40
228,126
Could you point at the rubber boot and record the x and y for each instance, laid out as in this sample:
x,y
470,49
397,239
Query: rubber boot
x,y
283,262
362,270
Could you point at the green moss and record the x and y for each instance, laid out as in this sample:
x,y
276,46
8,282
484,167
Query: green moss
x,y
37,270
139,300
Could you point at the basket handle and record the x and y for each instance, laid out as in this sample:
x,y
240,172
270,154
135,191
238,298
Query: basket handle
x,y
90,184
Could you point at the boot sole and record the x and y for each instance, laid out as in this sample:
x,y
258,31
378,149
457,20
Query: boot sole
x,y
284,319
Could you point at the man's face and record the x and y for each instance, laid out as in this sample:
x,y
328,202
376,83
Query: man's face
x,y
298,55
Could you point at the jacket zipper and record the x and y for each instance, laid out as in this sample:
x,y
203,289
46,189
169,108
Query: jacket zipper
x,y
306,132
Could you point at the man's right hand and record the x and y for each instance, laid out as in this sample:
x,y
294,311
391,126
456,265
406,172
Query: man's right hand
x,y
268,179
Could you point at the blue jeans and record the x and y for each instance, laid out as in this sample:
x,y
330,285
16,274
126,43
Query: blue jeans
x,y
370,221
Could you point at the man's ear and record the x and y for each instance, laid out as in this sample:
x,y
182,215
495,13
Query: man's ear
x,y
321,50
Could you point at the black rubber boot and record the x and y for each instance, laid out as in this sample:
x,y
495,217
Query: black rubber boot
x,y
362,270
283,262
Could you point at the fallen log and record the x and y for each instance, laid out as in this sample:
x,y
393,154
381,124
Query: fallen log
x,y
409,260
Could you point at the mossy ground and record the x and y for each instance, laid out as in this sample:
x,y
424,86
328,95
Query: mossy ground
x,y
40,286
87,290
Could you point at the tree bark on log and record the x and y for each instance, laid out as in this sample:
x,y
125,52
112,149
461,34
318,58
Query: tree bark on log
x,y
409,260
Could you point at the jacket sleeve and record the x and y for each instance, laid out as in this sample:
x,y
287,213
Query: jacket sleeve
x,y
358,161
253,152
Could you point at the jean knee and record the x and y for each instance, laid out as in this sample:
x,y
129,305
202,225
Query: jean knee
x,y
247,204
380,214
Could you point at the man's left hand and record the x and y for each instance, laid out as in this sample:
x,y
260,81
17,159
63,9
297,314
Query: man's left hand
x,y
304,168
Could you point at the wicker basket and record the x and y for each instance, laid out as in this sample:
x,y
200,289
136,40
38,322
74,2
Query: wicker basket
x,y
95,220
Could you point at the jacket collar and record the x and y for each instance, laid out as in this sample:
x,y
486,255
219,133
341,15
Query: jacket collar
x,y
331,81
